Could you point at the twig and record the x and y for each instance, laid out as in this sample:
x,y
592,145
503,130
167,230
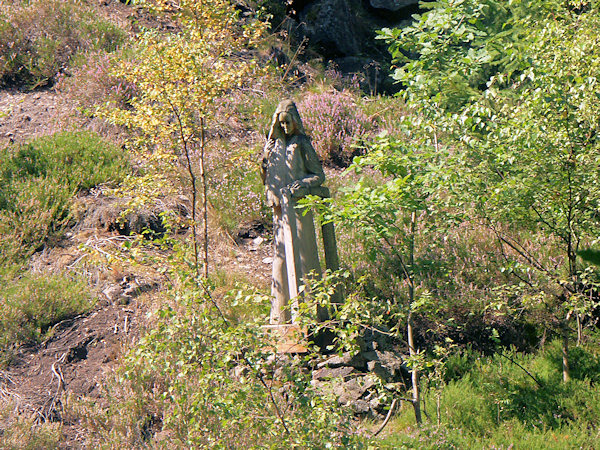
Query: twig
x,y
74,263
523,368
298,50
387,418
272,397
56,372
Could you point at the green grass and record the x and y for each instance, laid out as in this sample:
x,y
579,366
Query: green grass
x,y
31,303
495,404
38,38
38,182
25,432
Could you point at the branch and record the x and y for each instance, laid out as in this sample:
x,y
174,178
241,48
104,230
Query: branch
x,y
523,368
272,397
522,251
387,418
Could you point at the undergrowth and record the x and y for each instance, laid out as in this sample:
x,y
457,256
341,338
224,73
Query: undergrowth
x,y
197,379
38,38
22,432
517,400
31,303
39,180
38,183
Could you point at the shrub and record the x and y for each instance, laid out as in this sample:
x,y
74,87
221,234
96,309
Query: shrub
x,y
334,121
92,82
38,181
32,303
38,38
198,381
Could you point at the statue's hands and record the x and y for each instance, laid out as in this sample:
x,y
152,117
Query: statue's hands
x,y
274,130
297,189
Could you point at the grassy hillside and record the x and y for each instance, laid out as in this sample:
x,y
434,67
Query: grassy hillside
x,y
460,209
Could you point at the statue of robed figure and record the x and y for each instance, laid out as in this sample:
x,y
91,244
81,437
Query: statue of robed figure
x,y
291,170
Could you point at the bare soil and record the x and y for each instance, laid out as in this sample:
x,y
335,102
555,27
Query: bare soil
x,y
73,362
81,352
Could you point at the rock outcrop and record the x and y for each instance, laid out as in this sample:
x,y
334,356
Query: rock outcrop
x,y
343,32
392,5
366,381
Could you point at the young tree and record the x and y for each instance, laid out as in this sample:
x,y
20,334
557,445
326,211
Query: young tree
x,y
392,216
180,76
513,89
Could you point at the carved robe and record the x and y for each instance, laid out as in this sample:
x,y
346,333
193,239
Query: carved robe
x,y
290,159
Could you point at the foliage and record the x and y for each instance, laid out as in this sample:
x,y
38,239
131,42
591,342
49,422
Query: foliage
x,y
507,94
32,303
458,44
526,148
200,380
384,211
39,181
38,38
180,78
392,216
236,190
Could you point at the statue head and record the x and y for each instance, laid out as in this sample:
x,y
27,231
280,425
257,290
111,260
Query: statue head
x,y
286,120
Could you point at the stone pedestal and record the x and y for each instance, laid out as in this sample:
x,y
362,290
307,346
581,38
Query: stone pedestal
x,y
288,338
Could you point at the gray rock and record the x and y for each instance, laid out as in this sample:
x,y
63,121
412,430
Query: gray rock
x,y
361,407
382,372
371,356
357,361
333,26
328,372
376,404
353,389
391,361
113,292
392,5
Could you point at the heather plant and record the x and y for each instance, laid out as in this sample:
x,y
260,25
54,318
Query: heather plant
x,y
39,38
39,181
31,303
92,83
335,122
24,431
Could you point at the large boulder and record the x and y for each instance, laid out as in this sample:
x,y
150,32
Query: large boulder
x,y
333,26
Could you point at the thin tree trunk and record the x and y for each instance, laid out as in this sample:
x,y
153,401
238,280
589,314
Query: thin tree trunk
x,y
579,330
204,195
565,354
416,394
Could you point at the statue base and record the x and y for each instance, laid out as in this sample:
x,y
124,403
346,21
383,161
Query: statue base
x,y
289,337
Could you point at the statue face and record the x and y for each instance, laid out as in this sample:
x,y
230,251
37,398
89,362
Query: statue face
x,y
287,124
